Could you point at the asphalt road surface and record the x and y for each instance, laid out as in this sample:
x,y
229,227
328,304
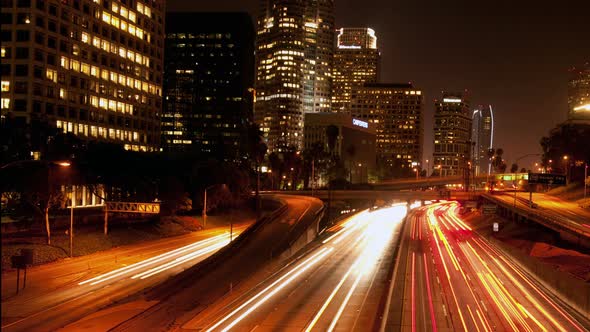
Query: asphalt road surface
x,y
58,293
338,284
455,280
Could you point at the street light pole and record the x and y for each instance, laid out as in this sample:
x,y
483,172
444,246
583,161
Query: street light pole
x,y
205,202
205,208
585,179
72,223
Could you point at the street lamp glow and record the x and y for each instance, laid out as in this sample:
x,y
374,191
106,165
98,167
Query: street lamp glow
x,y
64,164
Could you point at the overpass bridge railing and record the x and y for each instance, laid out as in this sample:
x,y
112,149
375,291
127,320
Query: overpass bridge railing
x,y
551,222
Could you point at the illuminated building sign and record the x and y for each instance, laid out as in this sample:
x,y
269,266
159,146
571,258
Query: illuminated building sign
x,y
583,108
452,100
349,46
360,123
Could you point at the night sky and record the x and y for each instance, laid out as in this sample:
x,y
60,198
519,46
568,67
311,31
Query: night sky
x,y
514,55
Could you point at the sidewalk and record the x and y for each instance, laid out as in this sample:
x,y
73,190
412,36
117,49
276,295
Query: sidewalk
x,y
89,239
47,277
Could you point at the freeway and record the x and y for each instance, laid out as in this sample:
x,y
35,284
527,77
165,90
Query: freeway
x,y
62,292
456,280
568,214
337,284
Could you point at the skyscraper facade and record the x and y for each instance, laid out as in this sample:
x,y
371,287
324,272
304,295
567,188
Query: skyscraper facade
x,y
452,134
579,93
396,111
294,53
482,138
356,61
91,68
208,79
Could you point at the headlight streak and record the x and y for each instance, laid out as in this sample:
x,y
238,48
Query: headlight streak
x,y
514,312
322,254
430,304
124,270
180,260
329,299
312,258
527,294
373,236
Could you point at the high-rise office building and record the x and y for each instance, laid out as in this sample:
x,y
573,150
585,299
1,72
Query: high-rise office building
x,y
91,68
482,138
294,51
579,93
355,144
452,134
396,111
356,61
208,79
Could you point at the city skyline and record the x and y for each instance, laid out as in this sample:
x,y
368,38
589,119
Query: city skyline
x,y
483,37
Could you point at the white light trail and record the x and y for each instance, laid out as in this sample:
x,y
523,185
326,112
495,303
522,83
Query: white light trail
x,y
150,261
311,260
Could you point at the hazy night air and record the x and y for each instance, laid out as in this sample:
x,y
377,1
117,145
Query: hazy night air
x,y
513,55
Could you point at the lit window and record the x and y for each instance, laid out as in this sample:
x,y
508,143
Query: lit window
x,y
5,86
3,52
124,12
64,62
85,37
51,75
62,93
106,17
85,68
5,103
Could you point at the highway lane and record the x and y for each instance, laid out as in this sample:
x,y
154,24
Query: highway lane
x,y
569,214
59,293
187,295
336,285
481,289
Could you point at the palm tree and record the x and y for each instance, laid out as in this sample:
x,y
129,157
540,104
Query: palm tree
x,y
351,151
332,134
256,150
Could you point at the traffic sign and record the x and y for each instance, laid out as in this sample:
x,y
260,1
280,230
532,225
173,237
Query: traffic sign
x,y
547,178
489,208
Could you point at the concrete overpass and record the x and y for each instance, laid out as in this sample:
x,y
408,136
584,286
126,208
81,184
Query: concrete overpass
x,y
569,229
403,195
424,182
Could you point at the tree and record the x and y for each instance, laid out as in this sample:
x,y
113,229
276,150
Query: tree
x,y
523,170
38,184
567,140
317,157
256,150
513,168
332,133
351,152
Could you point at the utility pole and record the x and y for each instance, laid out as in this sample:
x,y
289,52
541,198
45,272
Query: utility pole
x,y
585,179
72,223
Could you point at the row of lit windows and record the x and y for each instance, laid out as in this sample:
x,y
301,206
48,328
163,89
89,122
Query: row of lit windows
x,y
123,25
107,46
145,10
97,132
124,12
106,75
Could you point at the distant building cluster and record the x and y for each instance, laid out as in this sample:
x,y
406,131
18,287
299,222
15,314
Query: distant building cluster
x,y
452,134
208,80
124,72
90,68
579,94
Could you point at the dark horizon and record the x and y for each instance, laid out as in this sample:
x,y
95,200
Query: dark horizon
x,y
513,56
